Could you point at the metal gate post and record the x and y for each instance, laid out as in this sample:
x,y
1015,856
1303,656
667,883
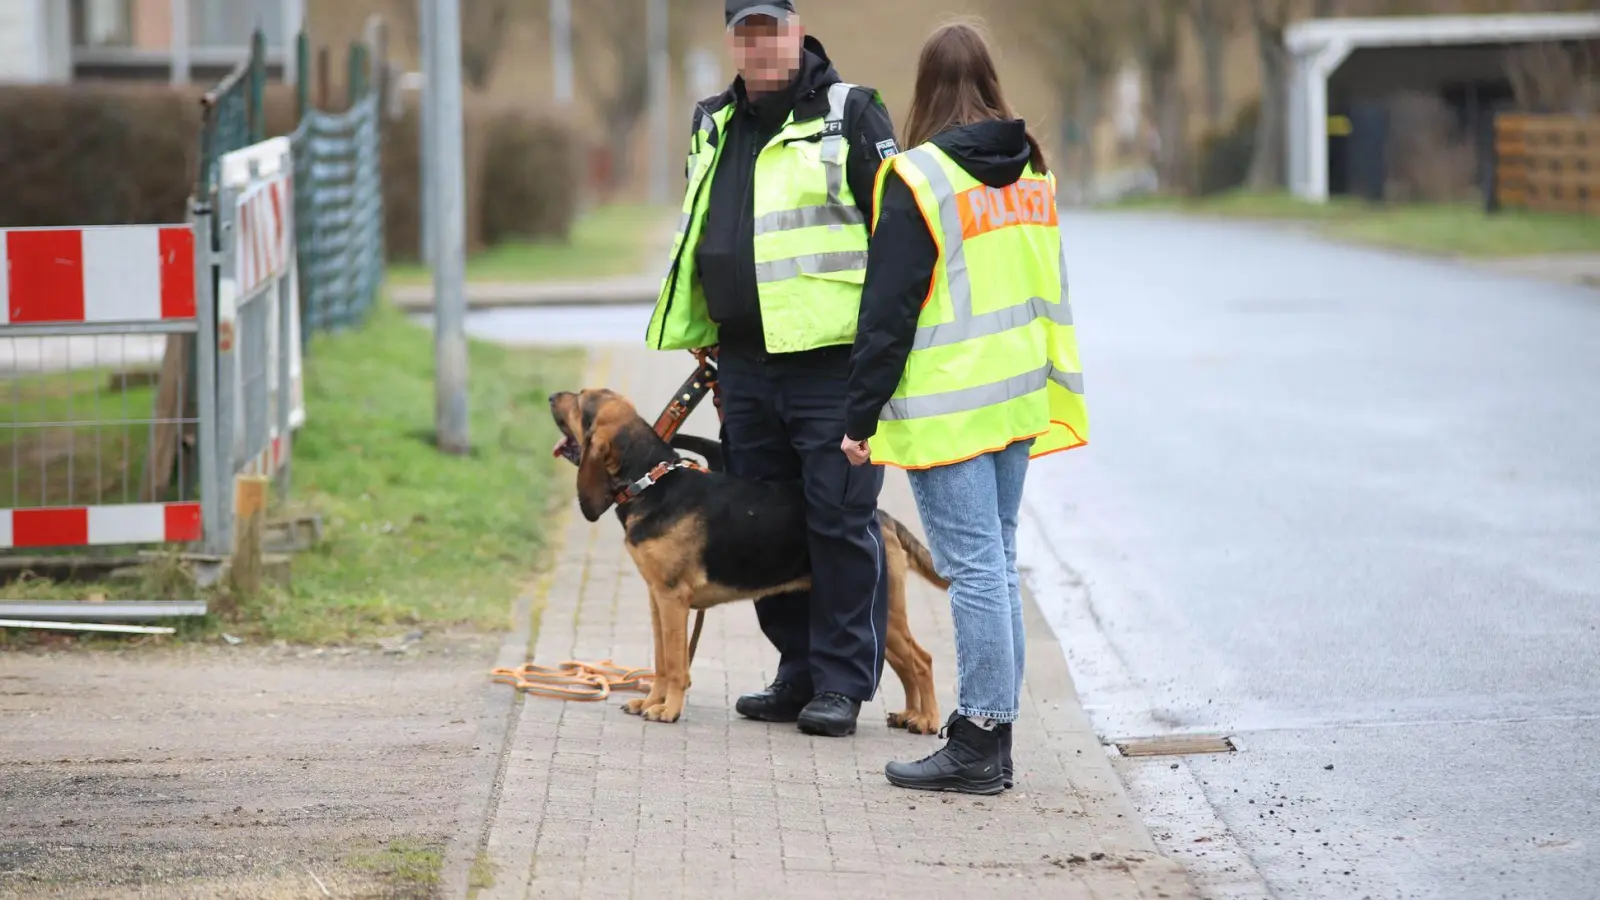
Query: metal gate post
x,y
227,360
285,297
212,500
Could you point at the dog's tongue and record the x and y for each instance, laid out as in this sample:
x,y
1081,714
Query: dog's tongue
x,y
561,446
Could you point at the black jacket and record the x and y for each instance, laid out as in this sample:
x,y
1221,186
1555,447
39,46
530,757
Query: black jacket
x,y
725,257
900,264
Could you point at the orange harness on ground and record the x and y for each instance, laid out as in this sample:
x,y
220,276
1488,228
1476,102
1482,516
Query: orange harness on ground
x,y
590,681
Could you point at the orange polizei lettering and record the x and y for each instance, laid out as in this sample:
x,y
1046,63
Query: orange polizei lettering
x,y
984,209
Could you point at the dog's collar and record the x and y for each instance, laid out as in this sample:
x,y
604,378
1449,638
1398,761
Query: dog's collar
x,y
658,472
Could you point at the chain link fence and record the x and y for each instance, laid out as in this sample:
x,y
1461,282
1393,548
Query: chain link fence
x,y
233,116
339,202
338,187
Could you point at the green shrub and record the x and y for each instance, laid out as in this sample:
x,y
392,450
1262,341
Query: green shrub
x,y
112,153
531,167
522,177
102,155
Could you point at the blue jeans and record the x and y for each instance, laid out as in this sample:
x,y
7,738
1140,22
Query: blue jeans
x,y
969,510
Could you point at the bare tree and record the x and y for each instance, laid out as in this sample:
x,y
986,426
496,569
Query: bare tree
x,y
1080,44
1157,27
612,64
1268,19
484,25
1214,21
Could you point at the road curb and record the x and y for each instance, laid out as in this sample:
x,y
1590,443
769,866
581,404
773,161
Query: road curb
x,y
502,706
502,709
623,291
426,305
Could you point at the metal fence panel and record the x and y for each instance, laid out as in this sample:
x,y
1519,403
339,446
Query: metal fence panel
x,y
256,346
95,451
93,448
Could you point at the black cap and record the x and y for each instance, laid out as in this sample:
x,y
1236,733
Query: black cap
x,y
739,10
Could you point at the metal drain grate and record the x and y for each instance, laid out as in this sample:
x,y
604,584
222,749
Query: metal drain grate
x,y
1177,745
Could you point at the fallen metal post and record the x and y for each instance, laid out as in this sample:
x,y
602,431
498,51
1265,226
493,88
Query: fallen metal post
x,y
87,626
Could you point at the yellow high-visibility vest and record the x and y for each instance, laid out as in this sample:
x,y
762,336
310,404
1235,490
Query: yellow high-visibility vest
x,y
810,237
995,359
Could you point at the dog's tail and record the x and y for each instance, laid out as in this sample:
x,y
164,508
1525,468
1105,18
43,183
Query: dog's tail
x,y
917,555
707,448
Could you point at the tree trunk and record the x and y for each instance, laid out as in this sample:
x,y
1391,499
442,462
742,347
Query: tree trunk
x,y
1267,162
1168,109
1213,53
1090,103
619,145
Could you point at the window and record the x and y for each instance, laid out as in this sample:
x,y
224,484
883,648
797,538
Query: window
x,y
228,23
102,23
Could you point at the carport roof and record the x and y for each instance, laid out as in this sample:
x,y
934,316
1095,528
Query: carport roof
x,y
1311,36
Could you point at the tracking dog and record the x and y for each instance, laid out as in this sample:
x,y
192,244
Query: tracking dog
x,y
704,538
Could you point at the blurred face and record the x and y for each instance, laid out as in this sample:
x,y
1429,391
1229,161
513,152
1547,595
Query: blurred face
x,y
766,52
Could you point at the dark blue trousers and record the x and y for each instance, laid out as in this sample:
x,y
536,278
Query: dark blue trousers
x,y
783,419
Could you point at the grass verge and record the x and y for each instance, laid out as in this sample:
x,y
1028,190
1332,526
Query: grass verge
x,y
608,241
412,537
410,867
1453,229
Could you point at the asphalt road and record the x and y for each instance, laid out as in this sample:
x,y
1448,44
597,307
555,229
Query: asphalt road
x,y
1343,505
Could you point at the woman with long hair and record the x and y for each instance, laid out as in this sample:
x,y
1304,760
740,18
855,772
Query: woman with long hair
x,y
965,366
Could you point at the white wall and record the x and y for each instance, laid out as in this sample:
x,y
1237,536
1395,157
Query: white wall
x,y
35,41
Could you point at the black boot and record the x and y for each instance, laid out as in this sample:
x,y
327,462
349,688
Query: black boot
x,y
780,702
830,715
1005,753
969,762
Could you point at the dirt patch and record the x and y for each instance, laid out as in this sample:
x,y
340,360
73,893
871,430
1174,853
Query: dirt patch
x,y
235,771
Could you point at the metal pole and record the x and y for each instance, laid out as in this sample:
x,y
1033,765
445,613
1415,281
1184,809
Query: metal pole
x,y
561,48
426,130
661,100
286,297
179,41
449,261
212,496
294,15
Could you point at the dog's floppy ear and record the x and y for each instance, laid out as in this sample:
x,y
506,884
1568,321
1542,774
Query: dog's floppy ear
x,y
595,468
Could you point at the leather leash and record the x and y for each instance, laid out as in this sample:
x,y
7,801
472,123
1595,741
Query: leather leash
x,y
586,681
689,395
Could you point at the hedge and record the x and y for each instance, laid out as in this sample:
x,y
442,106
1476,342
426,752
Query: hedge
x,y
109,153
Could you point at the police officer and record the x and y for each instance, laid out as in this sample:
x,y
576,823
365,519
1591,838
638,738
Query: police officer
x,y
767,267
966,366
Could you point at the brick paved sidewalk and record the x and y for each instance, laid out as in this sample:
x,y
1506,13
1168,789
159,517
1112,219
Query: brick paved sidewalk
x,y
593,803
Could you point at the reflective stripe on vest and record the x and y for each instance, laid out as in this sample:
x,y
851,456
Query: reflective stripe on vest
x,y
965,399
834,213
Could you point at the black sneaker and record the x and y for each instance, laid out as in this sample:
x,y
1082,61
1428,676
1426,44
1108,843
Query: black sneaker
x,y
780,702
969,762
1005,753
830,715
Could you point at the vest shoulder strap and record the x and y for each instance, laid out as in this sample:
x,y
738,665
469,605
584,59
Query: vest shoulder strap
x,y
838,94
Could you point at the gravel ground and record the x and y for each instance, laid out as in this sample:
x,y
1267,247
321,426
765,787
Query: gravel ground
x,y
242,771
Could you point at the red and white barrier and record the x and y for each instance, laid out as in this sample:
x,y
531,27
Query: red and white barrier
x,y
264,249
81,526
268,460
113,273
262,176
